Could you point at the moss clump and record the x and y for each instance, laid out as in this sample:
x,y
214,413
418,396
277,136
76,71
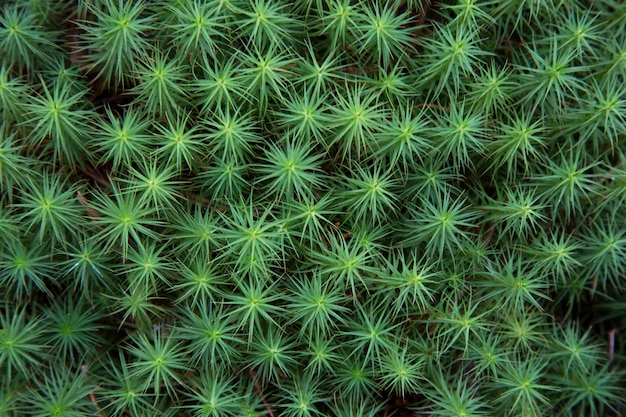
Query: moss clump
x,y
312,208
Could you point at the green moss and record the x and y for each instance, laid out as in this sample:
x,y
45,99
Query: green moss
x,y
312,208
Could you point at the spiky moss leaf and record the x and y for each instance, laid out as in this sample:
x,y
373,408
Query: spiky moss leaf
x,y
115,39
159,85
61,392
123,220
16,170
121,139
26,268
52,204
157,360
197,28
22,345
24,43
290,171
58,122
13,94
74,329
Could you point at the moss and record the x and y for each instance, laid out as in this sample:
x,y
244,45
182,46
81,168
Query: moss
x,y
312,208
